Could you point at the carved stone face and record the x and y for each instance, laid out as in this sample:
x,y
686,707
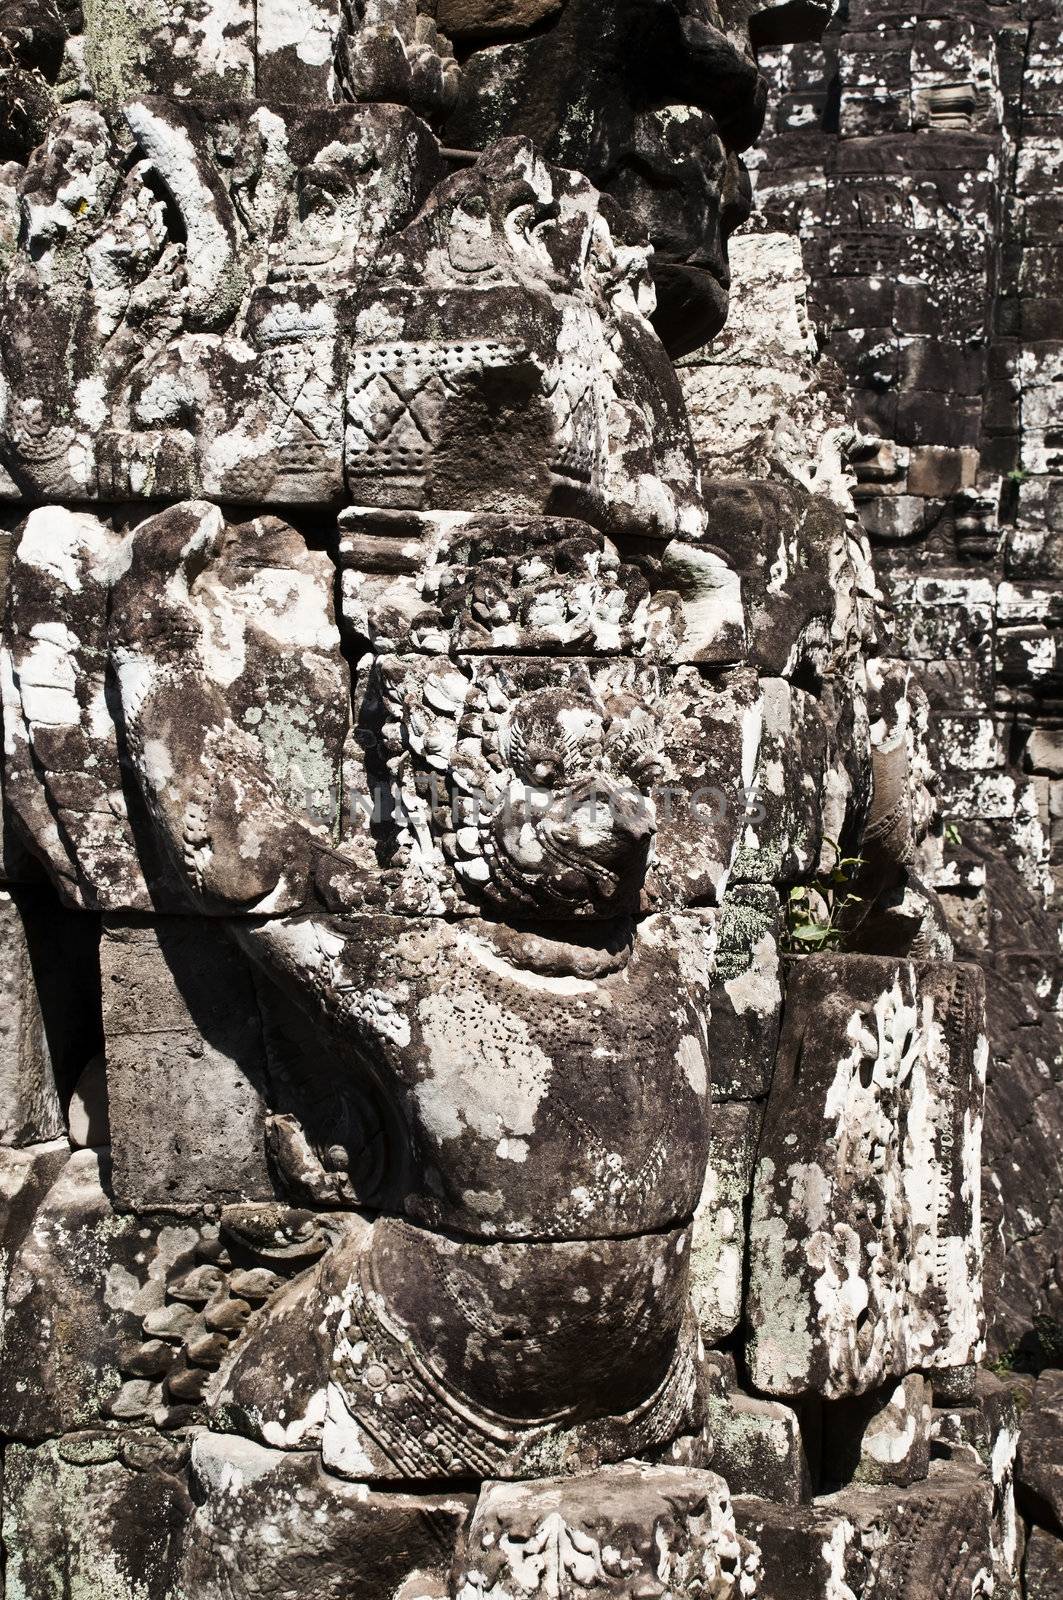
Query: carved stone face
x,y
571,829
652,99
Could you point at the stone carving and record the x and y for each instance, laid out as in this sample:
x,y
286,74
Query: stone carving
x,y
192,298
623,1531
866,1247
433,746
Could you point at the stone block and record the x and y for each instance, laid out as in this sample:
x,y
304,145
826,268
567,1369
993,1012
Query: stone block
x,y
94,1514
865,1255
757,1446
63,779
808,771
272,1523
718,1242
944,368
897,518
1043,1566
1044,751
265,430
924,416
185,1066
895,1447
879,1438
279,682
745,999
88,1122
855,302
621,1531
26,1175
80,1281
132,49
493,18
946,624
295,49
930,1539
795,558
937,472
30,1109
566,1354
884,111
967,744
1039,1471
488,1064
983,1427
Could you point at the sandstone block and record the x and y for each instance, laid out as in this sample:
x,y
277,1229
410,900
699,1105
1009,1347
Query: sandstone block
x,y
185,1066
757,1446
865,1259
30,1110
95,1514
746,994
929,1539
882,1437
613,1532
1039,1472
718,1243
80,1281
343,1540
1043,1566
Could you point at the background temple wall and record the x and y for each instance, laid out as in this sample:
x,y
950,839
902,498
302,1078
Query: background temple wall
x,y
917,155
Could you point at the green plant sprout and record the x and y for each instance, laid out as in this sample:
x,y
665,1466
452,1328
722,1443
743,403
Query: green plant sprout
x,y
814,910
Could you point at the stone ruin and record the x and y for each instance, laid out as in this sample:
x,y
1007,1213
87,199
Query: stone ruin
x,y
514,783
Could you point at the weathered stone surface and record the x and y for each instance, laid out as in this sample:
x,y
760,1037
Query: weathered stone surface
x,y
756,1445
534,86
1043,1566
882,1437
800,573
545,1092
93,1514
467,18
521,1374
987,1431
746,995
613,1532
88,1119
188,53
550,321
193,347
930,1539
1039,1471
296,49
808,784
80,1280
487,584
268,628
953,370
56,720
185,1066
30,1112
453,835
273,1521
864,1244
718,1242
895,1447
